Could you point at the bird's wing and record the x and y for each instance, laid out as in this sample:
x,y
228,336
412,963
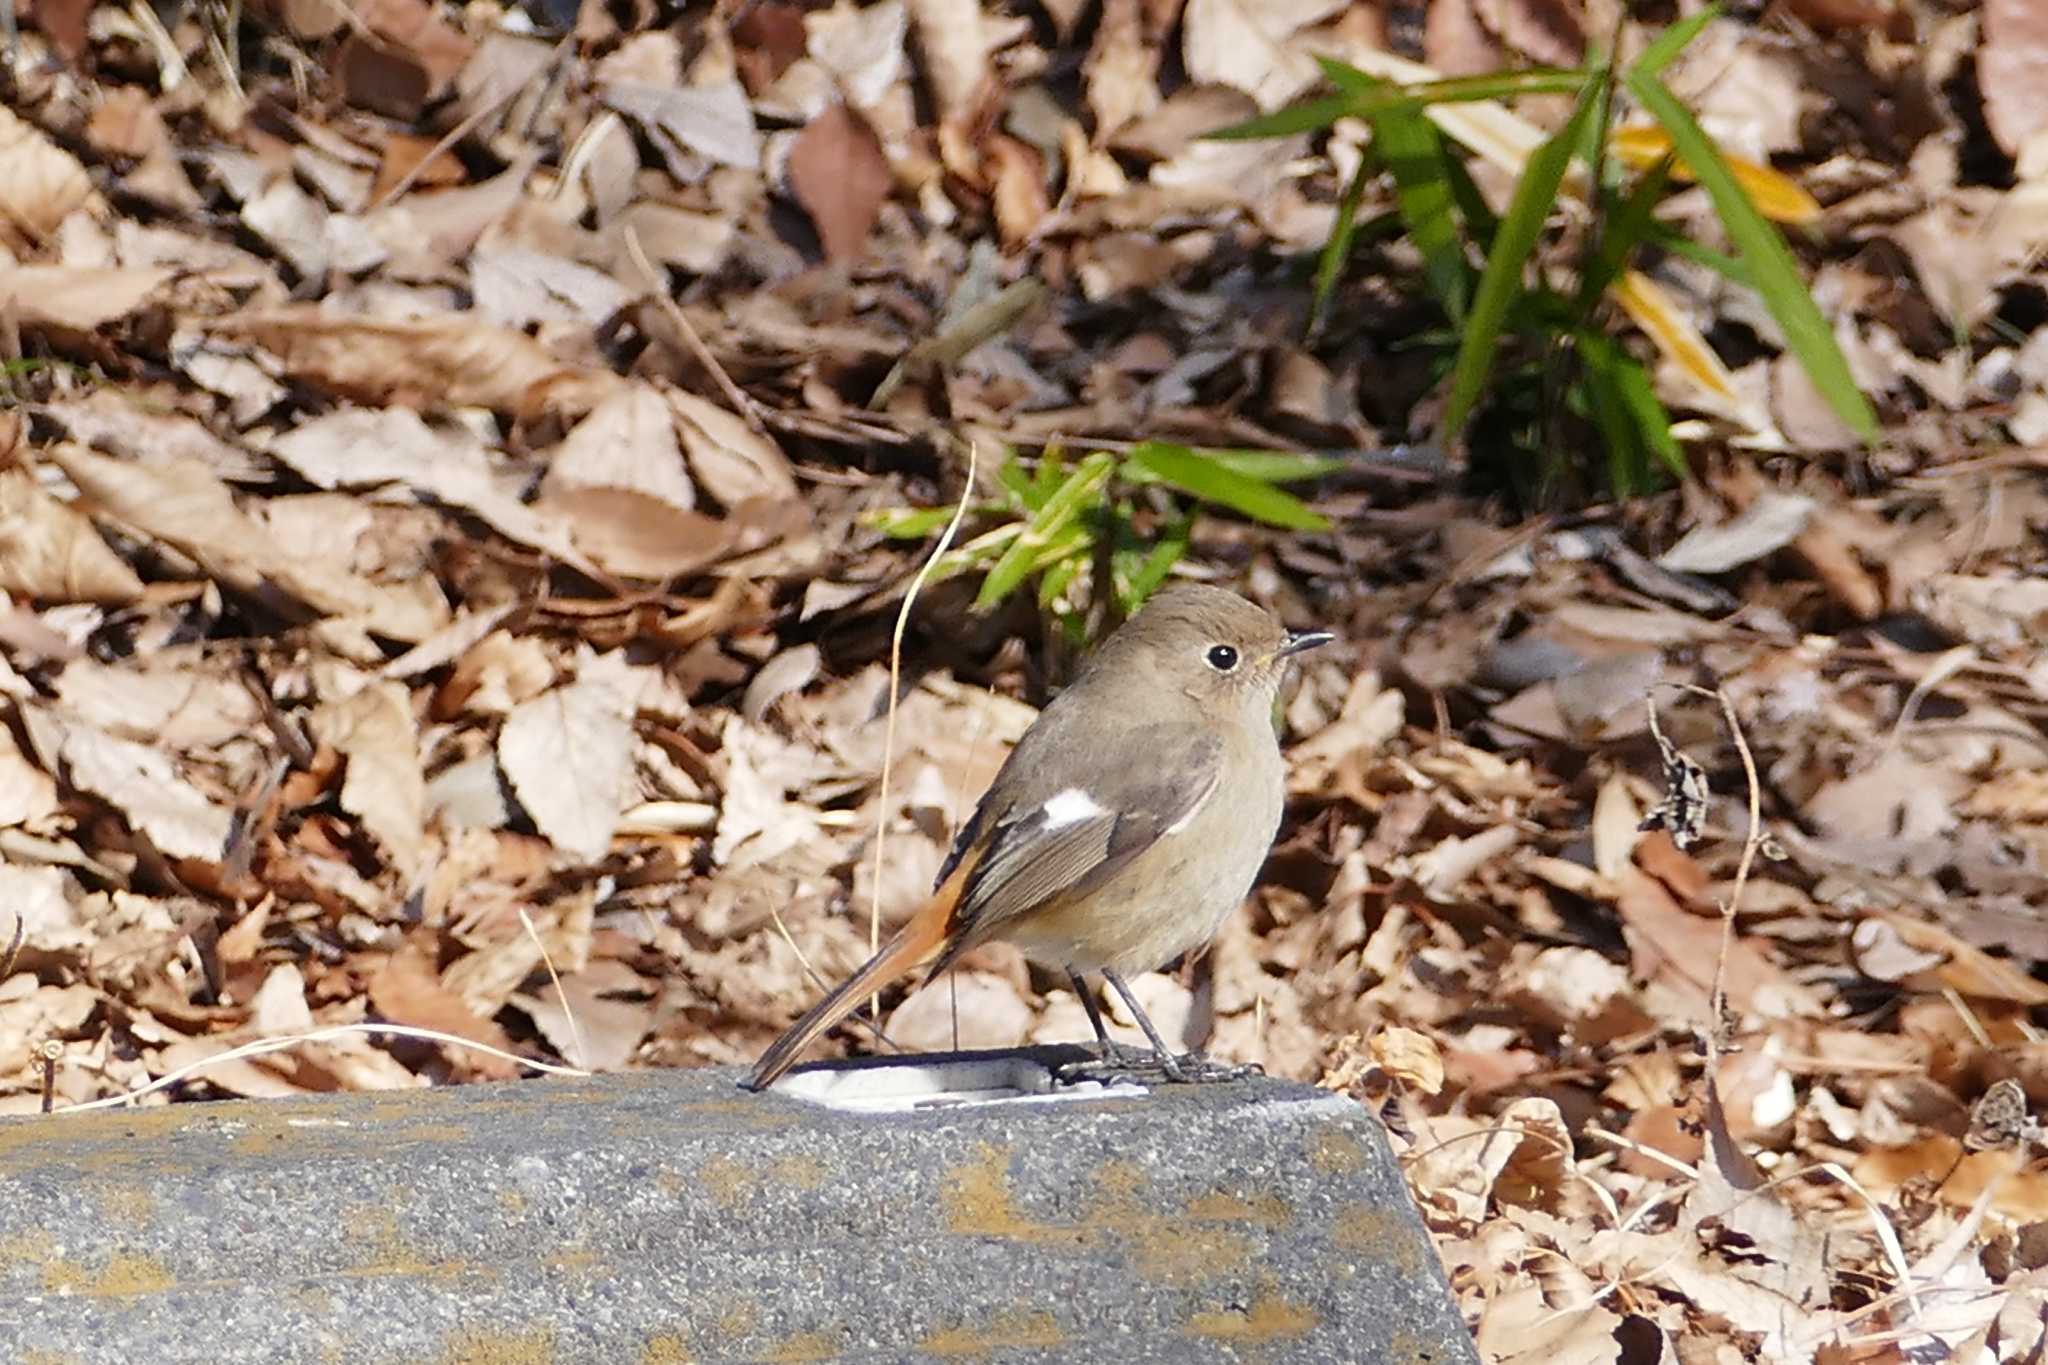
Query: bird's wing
x,y
1142,785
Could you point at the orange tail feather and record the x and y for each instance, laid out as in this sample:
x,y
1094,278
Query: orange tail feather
x,y
914,943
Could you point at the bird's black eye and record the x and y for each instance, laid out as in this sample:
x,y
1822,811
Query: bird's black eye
x,y
1222,658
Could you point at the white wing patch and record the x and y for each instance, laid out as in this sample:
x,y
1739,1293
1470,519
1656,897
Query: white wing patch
x,y
1069,807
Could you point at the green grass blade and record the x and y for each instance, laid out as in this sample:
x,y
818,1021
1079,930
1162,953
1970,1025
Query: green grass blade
x,y
1500,282
915,523
1305,117
1777,277
1194,473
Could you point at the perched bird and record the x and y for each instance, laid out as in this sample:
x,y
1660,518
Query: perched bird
x,y
1128,822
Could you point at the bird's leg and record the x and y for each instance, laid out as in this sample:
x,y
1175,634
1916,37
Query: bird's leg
x,y
1109,1052
1116,1065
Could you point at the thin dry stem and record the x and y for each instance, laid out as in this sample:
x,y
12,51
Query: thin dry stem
x,y
263,1046
657,288
575,1031
917,581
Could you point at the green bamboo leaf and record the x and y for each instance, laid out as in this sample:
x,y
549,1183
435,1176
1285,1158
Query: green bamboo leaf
x,y
915,523
1500,282
1667,45
1147,573
1209,480
1722,264
1076,492
1054,582
1337,250
1621,233
1415,156
1652,422
1273,466
1760,247
1601,392
1371,95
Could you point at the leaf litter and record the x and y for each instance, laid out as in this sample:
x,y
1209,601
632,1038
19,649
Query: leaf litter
x,y
445,626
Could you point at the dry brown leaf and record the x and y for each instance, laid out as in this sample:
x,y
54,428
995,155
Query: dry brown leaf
x,y
77,298
366,447
987,1008
861,47
50,553
403,57
953,46
731,461
1678,949
712,121
382,785
627,532
142,783
568,755
2012,71
427,364
407,990
187,507
1248,44
40,184
838,173
1940,959
611,1008
1519,1327
1122,70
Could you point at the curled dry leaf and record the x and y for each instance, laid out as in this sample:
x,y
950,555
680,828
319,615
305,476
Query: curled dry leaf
x,y
140,782
568,754
50,553
731,460
1410,1057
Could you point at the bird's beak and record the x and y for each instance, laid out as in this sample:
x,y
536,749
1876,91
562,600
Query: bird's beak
x,y
1301,641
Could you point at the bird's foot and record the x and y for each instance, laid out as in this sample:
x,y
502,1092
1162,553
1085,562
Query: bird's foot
x,y
1121,1063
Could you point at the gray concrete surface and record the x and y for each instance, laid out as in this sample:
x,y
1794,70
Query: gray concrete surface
x,y
667,1217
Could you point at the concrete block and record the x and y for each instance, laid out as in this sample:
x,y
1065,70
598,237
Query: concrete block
x,y
951,1208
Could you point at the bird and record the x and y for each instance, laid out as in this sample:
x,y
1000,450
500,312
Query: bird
x,y
1128,822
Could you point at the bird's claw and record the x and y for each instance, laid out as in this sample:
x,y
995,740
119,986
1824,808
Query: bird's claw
x,y
1118,1064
